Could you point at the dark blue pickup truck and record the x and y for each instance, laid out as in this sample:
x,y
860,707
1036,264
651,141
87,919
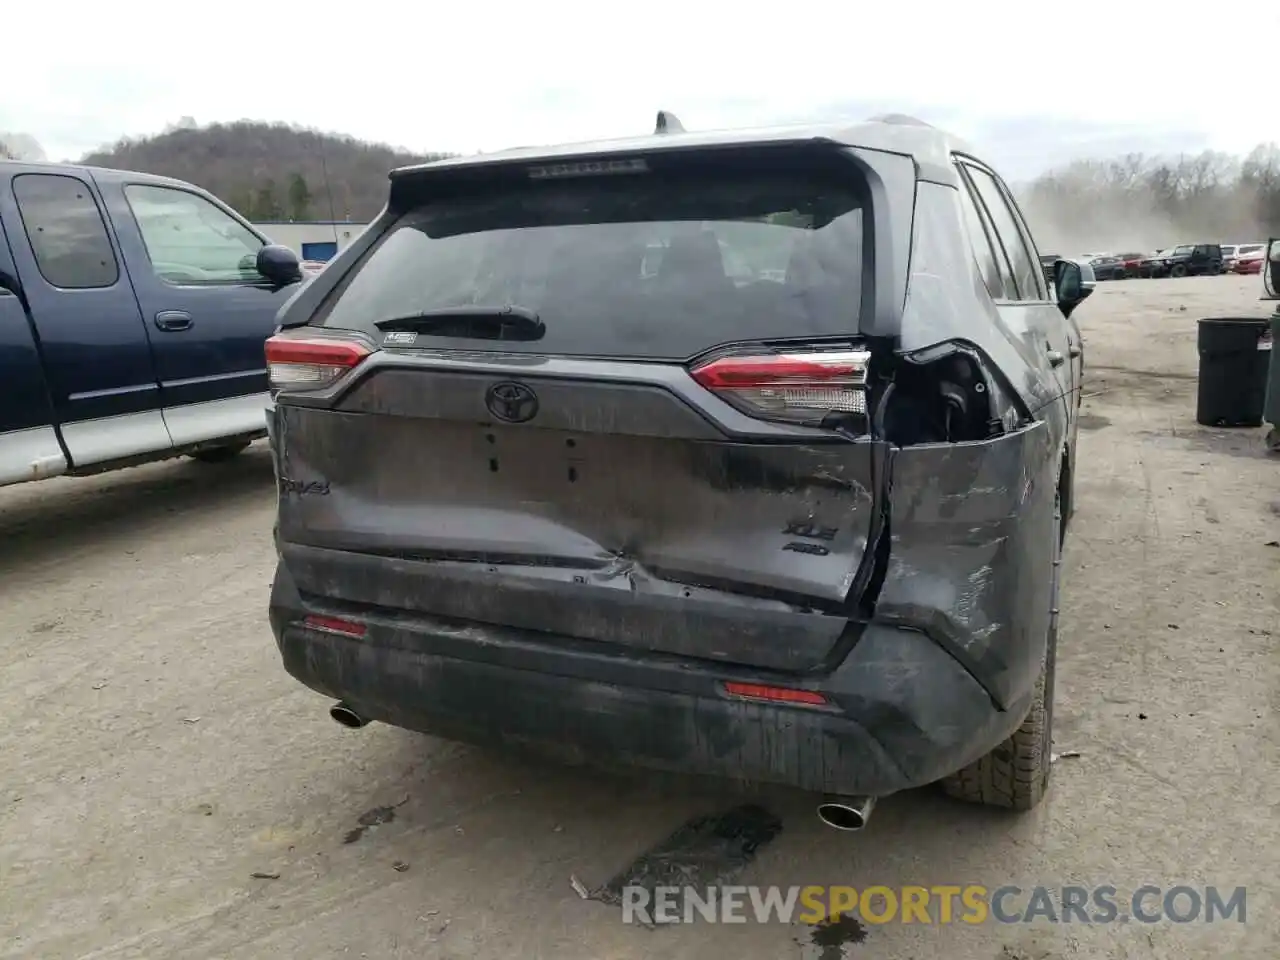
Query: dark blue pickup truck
x,y
133,311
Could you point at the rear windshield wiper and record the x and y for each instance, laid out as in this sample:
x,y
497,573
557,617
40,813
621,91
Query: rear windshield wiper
x,y
509,322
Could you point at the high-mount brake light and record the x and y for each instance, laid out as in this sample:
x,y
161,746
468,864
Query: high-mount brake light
x,y
310,363
799,386
588,168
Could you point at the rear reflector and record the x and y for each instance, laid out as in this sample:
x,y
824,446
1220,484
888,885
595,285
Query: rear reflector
x,y
308,363
756,691
790,386
345,628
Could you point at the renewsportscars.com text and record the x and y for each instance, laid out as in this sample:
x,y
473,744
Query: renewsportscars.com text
x,y
940,904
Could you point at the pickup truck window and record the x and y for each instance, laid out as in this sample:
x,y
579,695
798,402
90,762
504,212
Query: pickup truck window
x,y
66,230
192,241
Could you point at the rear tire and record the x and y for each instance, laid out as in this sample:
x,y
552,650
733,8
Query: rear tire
x,y
1015,775
1119,274
220,454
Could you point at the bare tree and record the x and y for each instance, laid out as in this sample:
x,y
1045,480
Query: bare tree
x,y
1138,202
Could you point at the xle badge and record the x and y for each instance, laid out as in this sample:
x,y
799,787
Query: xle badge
x,y
399,339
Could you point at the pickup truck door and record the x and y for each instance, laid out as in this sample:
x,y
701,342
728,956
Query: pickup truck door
x,y
193,267
29,447
94,345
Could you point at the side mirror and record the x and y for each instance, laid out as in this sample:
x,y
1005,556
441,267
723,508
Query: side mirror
x,y
279,264
1271,272
1074,283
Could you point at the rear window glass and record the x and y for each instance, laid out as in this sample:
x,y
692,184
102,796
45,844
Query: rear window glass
x,y
660,265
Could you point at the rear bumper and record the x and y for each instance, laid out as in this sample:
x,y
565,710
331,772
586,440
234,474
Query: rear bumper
x,y
902,713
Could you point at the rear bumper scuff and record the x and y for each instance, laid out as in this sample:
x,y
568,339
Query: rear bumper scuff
x,y
904,713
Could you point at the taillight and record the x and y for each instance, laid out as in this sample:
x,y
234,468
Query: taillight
x,y
309,363
800,386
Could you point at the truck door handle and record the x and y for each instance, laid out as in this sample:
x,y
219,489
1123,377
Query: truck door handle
x,y
1056,359
170,320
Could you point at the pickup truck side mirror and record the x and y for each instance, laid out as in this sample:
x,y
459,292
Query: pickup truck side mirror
x,y
1074,282
279,264
1271,272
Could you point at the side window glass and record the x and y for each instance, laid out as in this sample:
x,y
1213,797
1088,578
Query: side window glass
x,y
66,230
1041,287
1021,261
191,241
988,263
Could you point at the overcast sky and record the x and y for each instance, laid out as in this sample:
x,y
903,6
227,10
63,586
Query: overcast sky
x,y
1031,84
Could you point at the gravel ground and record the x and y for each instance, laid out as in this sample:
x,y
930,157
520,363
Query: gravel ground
x,y
155,756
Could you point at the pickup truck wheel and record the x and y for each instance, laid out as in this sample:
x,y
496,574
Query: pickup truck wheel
x,y
219,454
1015,775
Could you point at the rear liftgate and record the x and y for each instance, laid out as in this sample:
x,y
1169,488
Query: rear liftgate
x,y
721,510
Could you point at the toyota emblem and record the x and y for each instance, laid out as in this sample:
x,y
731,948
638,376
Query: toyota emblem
x,y
511,402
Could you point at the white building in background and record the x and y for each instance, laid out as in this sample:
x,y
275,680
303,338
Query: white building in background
x,y
315,239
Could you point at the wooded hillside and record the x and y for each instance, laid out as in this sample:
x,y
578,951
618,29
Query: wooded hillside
x,y
269,171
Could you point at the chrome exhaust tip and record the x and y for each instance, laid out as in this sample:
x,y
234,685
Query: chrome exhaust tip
x,y
846,813
346,716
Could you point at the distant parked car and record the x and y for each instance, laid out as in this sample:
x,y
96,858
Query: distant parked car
x,y
1153,265
1108,268
1250,262
1240,251
1187,259
1132,262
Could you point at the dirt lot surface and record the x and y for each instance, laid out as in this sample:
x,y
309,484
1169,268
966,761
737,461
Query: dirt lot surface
x,y
154,756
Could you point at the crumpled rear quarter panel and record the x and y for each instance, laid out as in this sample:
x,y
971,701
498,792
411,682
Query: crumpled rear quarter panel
x,y
973,542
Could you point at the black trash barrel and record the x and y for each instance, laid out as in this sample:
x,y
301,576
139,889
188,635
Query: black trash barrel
x,y
1233,371
1272,412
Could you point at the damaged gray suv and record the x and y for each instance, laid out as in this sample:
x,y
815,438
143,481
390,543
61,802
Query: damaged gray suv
x,y
746,454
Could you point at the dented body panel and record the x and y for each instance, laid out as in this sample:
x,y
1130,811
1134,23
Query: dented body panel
x,y
627,514
972,552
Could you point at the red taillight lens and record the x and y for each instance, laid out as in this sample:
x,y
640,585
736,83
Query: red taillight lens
x,y
308,363
346,628
790,386
757,691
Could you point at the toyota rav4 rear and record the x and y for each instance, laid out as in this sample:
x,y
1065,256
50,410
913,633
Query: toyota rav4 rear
x,y
621,454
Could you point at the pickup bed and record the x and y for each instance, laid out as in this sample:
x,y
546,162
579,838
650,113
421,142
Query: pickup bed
x,y
133,311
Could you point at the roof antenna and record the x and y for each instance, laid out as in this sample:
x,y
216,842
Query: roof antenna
x,y
668,122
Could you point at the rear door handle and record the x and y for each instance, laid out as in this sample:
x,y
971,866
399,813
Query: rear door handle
x,y
171,320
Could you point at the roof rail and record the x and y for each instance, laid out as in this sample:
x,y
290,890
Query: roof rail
x,y
668,122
